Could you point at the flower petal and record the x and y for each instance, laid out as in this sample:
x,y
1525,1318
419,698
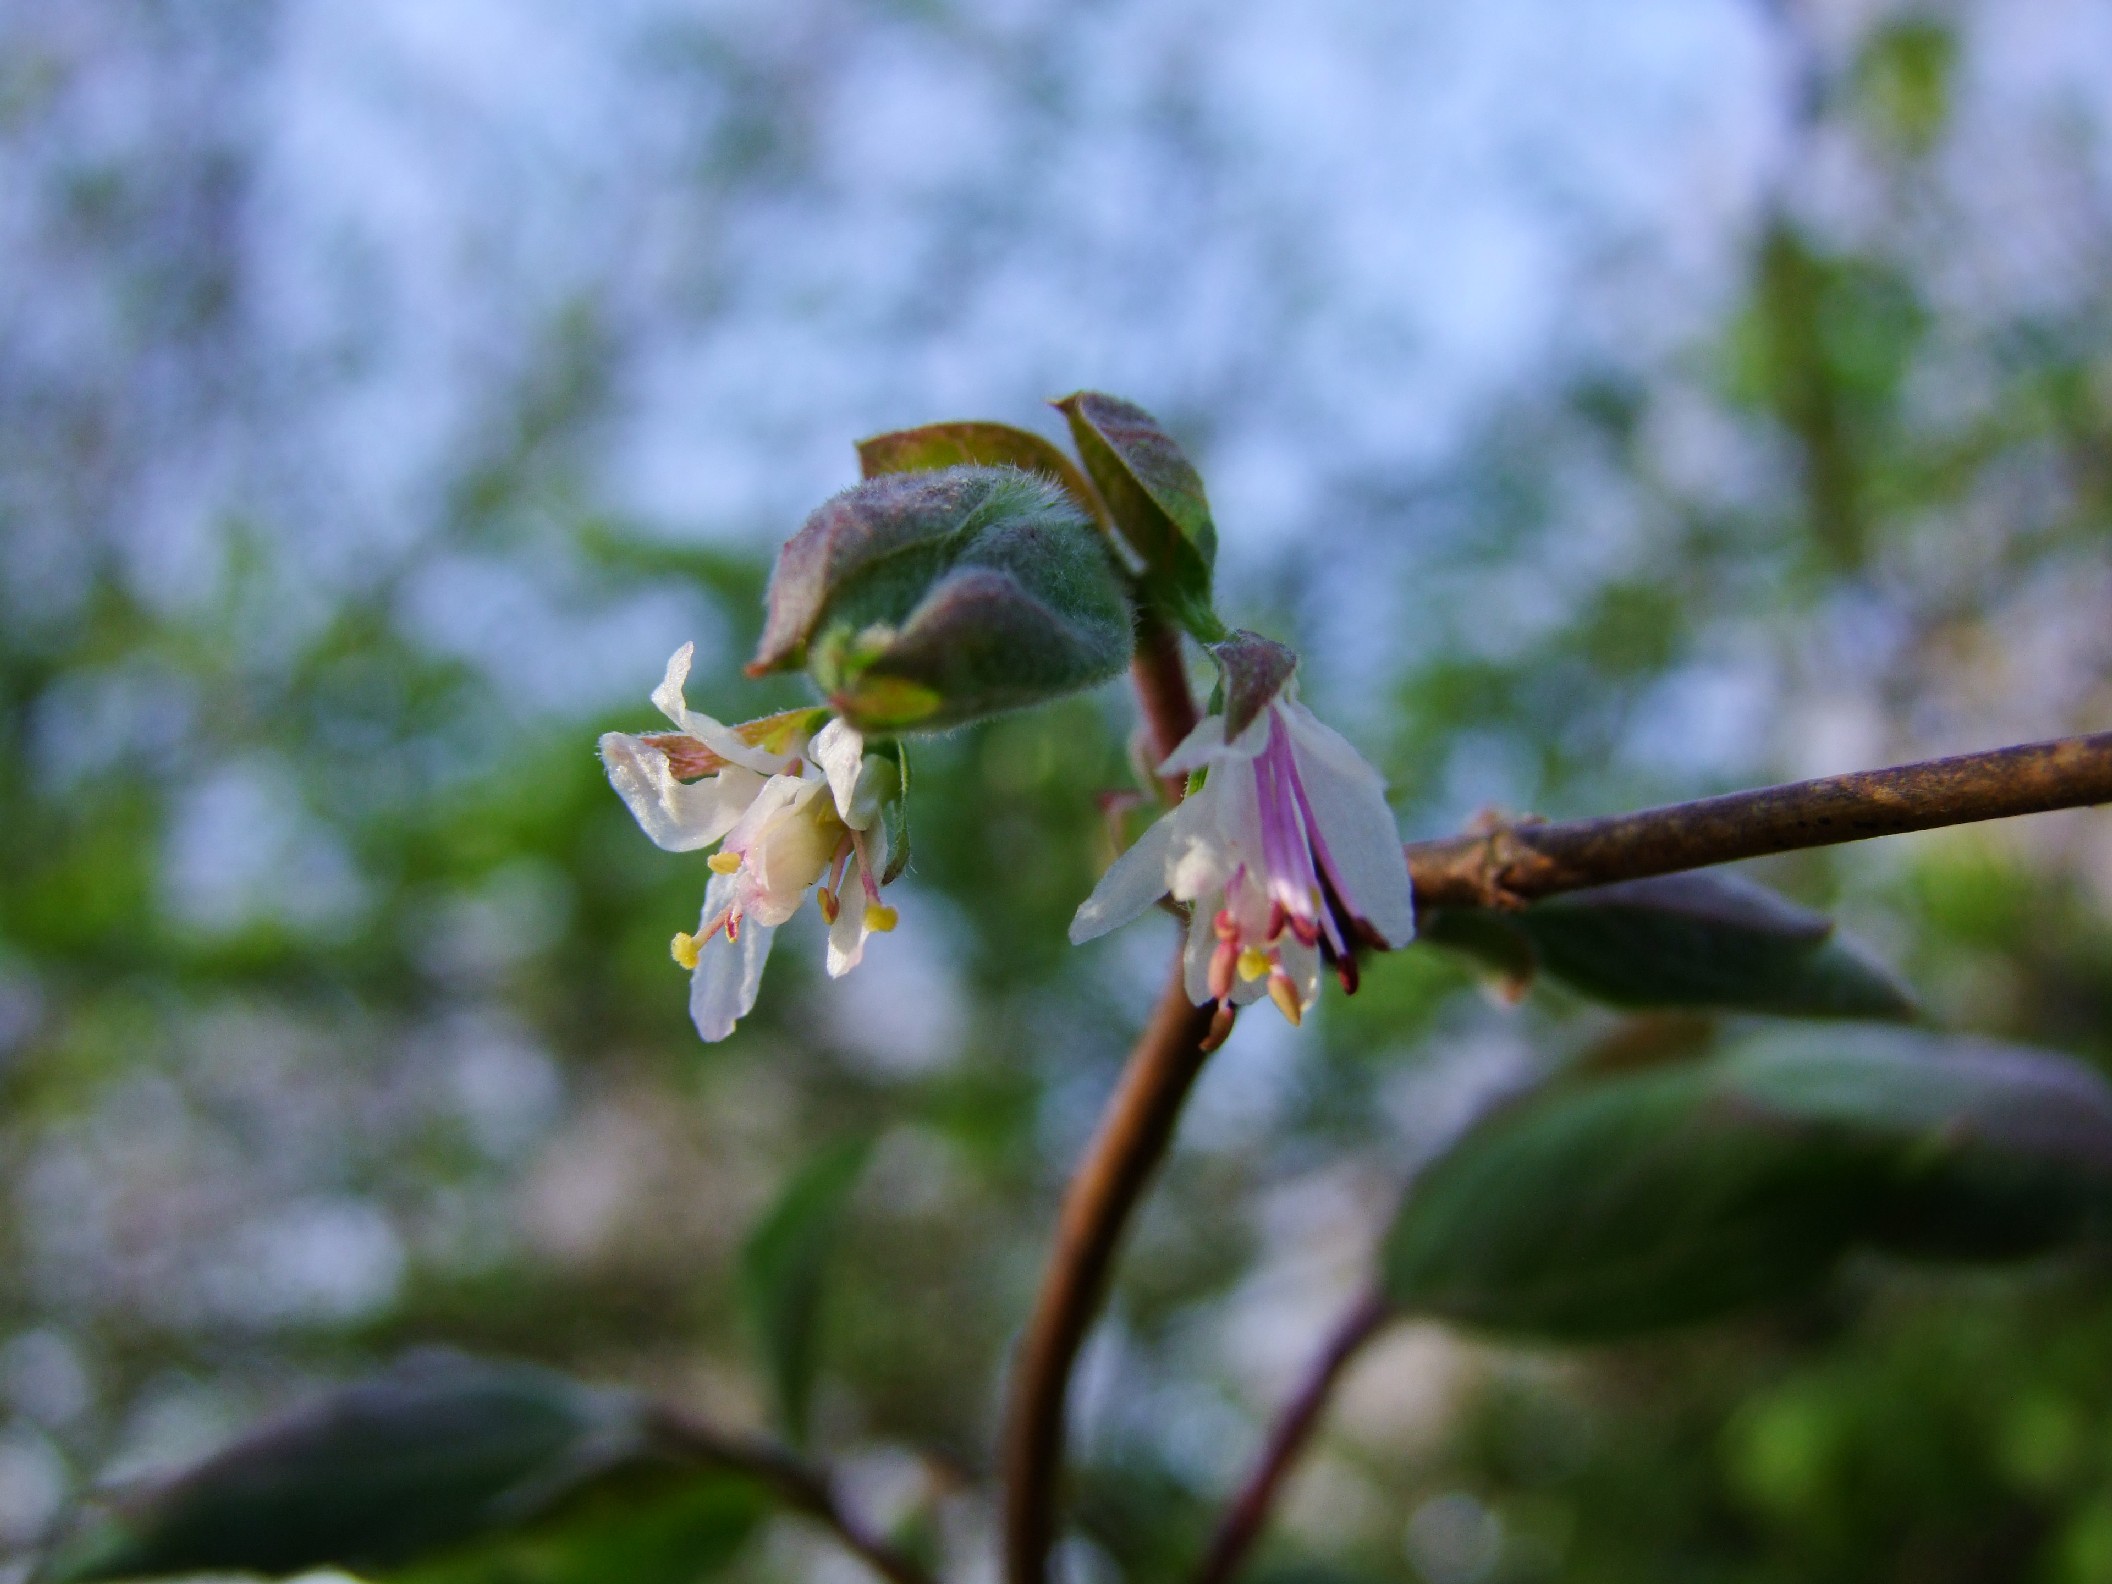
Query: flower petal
x,y
1196,952
678,816
719,738
1132,883
667,697
847,936
1301,964
728,973
857,780
1206,745
1363,853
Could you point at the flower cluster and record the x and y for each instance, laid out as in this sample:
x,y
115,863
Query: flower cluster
x,y
1286,854
796,804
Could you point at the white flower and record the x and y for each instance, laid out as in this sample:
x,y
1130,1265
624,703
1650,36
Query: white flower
x,y
1287,855
792,805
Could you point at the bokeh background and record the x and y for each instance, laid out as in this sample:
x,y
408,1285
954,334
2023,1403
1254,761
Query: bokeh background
x,y
1617,400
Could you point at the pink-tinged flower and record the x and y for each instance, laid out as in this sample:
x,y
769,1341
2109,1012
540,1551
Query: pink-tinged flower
x,y
1286,854
792,807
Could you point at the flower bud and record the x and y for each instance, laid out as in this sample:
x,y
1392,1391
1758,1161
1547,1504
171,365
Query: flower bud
x,y
925,600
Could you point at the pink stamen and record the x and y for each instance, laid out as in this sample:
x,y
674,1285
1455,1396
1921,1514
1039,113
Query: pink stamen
x,y
1224,962
866,877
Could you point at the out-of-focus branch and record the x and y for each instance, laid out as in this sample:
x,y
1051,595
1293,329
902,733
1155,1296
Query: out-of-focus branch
x,y
1516,862
801,1485
1135,1130
1242,1523
1162,689
1134,1133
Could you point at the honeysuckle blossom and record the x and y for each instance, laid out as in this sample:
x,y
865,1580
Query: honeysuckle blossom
x,y
1287,855
796,804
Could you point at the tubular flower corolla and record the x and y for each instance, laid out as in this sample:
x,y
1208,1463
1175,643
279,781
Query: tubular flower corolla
x,y
1286,855
796,805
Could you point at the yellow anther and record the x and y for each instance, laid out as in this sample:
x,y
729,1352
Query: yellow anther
x,y
683,948
1285,995
1253,963
880,918
825,899
724,863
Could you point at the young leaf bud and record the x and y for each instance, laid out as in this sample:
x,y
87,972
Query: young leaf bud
x,y
920,601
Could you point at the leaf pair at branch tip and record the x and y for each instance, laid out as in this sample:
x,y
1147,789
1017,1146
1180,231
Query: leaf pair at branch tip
x,y
920,601
1137,485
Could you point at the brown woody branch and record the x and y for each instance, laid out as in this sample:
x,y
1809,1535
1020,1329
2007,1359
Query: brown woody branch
x,y
1242,1524
799,1484
1518,861
1133,1136
1135,1130
1506,866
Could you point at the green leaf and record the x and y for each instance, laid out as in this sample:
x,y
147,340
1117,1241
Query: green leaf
x,y
435,1451
972,443
1625,1204
925,600
1156,499
783,1266
2001,1151
654,1526
1620,1206
1688,940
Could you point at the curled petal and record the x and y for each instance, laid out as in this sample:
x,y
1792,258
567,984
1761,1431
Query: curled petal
x,y
858,781
728,972
678,816
720,739
1361,845
1132,883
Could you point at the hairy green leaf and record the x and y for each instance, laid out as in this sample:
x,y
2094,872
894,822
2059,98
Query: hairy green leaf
x,y
1619,1205
1706,940
925,600
974,443
431,1453
1156,499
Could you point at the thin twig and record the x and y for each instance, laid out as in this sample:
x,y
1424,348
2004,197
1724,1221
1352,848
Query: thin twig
x,y
1133,1136
1161,680
1242,1523
1517,862
802,1486
1135,1130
